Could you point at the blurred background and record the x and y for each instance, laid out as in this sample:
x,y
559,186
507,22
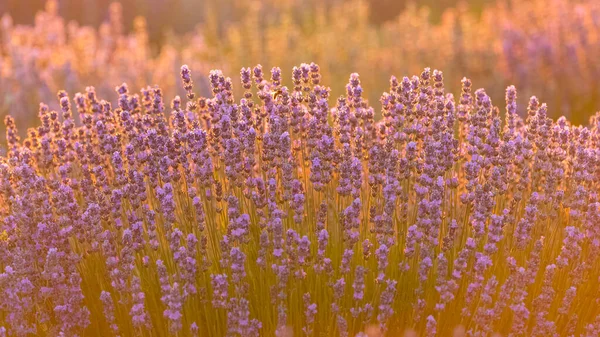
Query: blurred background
x,y
547,48
183,15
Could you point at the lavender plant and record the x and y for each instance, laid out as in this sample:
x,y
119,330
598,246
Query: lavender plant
x,y
285,212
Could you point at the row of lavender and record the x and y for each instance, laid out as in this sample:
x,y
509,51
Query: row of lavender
x,y
547,50
286,212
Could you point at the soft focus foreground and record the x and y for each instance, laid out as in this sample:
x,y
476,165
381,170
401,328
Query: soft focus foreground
x,y
288,212
547,49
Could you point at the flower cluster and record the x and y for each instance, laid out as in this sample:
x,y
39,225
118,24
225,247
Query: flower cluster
x,y
547,50
285,211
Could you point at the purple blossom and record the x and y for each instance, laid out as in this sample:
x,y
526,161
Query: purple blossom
x,y
403,218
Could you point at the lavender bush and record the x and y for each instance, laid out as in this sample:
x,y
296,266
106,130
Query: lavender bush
x,y
286,212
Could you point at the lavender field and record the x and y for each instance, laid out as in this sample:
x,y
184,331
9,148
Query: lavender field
x,y
145,192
